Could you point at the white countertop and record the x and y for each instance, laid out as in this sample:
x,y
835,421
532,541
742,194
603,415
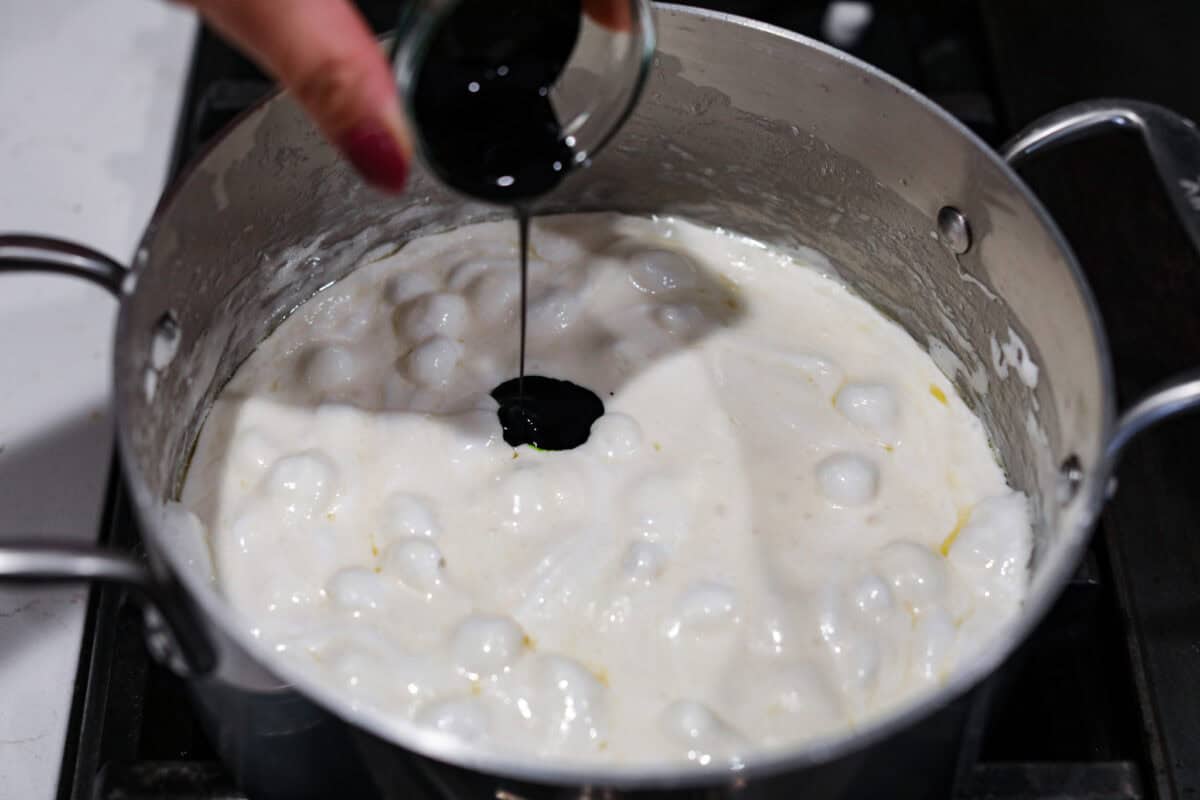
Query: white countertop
x,y
89,98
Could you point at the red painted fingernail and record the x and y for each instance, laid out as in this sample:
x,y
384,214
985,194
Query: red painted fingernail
x,y
376,153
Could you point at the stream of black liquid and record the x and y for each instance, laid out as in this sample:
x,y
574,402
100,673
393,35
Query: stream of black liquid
x,y
481,100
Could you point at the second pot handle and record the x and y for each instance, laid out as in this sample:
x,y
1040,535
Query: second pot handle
x,y
23,253
173,633
1174,145
1173,142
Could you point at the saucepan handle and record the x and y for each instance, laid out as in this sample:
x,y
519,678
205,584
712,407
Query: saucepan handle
x,y
1174,145
172,632
20,253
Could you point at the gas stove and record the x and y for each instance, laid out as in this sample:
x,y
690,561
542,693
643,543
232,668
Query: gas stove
x,y
1100,704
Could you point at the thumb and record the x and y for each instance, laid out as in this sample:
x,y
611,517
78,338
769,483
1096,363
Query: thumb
x,y
324,53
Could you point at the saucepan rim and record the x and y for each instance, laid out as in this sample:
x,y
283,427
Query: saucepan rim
x,y
1072,536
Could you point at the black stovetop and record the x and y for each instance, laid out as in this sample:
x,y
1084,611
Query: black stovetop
x,y
1101,703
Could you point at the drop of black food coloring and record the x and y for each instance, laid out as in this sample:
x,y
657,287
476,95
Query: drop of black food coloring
x,y
551,415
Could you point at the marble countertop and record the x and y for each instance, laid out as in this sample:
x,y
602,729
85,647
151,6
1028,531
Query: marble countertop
x,y
90,93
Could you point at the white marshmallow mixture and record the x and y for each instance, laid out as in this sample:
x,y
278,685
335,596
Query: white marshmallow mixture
x,y
785,523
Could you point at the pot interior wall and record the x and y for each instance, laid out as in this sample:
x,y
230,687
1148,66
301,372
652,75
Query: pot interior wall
x,y
740,127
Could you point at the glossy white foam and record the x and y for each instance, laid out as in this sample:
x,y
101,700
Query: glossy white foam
x,y
784,524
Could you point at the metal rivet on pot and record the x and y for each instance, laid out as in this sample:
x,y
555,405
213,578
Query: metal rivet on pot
x,y
1070,478
164,341
953,230
140,259
129,283
161,643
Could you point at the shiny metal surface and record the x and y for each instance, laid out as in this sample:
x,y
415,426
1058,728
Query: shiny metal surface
x,y
1180,395
173,631
744,126
1174,145
181,640
954,230
23,253
38,562
1172,140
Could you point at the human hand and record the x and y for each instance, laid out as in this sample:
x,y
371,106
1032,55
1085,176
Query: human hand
x,y
324,53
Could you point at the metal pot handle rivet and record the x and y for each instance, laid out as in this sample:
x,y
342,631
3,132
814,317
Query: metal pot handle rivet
x,y
1174,145
1070,478
172,635
953,230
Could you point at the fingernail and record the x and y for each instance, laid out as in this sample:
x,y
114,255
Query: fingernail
x,y
375,151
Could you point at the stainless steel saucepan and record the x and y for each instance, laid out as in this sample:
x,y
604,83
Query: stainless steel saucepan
x,y
744,126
